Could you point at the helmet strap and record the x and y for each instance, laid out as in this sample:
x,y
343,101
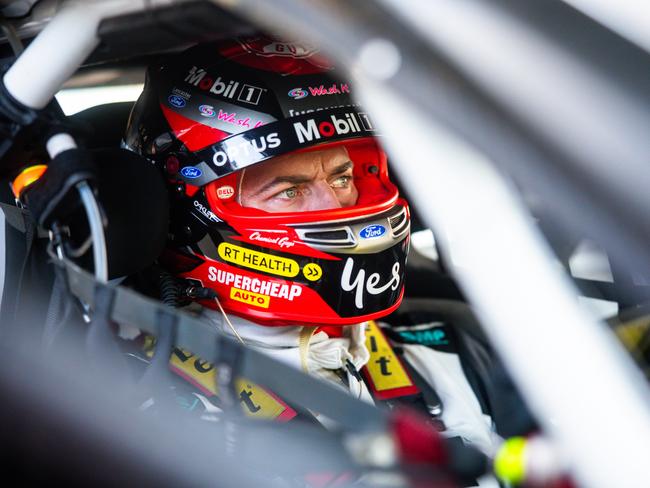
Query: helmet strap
x,y
303,344
225,317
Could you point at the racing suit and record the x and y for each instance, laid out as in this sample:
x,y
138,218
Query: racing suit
x,y
417,365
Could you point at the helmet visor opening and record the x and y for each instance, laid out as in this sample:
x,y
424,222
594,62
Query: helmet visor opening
x,y
339,178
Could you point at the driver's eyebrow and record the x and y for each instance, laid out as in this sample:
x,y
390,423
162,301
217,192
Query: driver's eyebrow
x,y
300,179
292,179
341,168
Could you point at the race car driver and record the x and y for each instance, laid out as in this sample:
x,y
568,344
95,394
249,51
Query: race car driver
x,y
283,209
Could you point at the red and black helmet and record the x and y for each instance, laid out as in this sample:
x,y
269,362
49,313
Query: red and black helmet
x,y
217,108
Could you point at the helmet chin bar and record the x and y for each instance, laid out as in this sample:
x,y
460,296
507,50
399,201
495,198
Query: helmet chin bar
x,y
336,272
346,234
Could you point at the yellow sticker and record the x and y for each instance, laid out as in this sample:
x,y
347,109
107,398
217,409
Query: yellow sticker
x,y
312,271
194,369
631,333
258,260
250,298
255,401
384,367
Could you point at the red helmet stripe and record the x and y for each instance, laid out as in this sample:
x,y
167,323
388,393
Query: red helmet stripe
x,y
194,135
275,55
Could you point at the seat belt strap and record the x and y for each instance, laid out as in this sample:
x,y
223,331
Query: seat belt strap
x,y
256,401
385,373
406,387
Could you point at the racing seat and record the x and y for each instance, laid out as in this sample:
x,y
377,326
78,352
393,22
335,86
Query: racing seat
x,y
102,125
26,277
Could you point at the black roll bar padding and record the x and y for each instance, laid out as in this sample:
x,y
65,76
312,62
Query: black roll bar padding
x,y
11,110
14,116
167,327
101,347
228,366
157,377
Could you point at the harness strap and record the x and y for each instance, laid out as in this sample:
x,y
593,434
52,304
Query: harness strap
x,y
156,377
385,373
392,381
255,401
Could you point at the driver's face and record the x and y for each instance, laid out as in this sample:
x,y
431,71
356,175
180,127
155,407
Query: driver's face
x,y
315,180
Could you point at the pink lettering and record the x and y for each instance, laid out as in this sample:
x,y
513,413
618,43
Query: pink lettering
x,y
231,118
226,117
317,91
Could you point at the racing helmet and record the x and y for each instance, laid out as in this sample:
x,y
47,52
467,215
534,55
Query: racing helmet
x,y
208,114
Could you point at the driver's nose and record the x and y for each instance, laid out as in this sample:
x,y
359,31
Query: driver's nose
x,y
323,197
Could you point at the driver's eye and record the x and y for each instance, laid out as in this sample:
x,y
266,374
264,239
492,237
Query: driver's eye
x,y
290,193
341,182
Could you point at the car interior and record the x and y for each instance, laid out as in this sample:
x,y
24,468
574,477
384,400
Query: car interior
x,y
605,283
